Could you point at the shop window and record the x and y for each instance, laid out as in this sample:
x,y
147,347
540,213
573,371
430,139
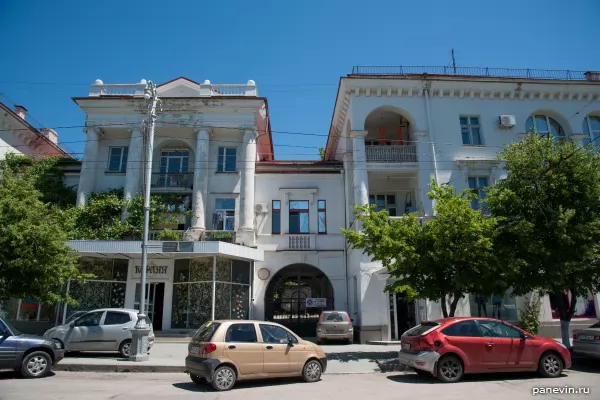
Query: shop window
x,y
500,306
584,308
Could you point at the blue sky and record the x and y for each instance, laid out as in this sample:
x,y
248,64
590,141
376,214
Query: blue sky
x,y
295,51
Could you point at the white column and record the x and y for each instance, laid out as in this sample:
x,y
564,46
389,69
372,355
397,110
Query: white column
x,y
361,178
88,166
200,192
247,187
134,164
426,172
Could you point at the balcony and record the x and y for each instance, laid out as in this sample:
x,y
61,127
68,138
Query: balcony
x,y
180,235
168,181
391,154
301,242
205,89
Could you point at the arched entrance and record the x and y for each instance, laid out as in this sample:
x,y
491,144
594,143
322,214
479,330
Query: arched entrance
x,y
286,298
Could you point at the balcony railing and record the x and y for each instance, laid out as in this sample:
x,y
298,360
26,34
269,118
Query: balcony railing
x,y
205,89
525,73
173,180
301,242
391,154
182,235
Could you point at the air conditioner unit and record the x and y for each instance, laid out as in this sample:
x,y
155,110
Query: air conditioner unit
x,y
507,121
261,208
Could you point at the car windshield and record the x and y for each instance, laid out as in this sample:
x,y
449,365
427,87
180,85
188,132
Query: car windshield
x,y
74,316
421,329
206,331
334,317
15,331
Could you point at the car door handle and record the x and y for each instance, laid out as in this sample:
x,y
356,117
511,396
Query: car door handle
x,y
269,347
489,344
231,347
125,328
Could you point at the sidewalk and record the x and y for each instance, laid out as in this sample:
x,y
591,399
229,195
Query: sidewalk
x,y
169,356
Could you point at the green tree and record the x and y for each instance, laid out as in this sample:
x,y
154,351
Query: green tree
x,y
34,258
322,152
444,259
549,220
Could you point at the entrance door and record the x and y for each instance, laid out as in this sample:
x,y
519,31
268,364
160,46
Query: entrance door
x,y
402,315
155,294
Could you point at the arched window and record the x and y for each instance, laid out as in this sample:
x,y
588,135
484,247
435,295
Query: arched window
x,y
591,127
544,126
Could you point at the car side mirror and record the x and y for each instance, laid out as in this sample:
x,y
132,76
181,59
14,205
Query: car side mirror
x,y
290,343
72,324
523,336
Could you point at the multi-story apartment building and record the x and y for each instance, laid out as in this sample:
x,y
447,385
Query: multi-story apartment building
x,y
396,128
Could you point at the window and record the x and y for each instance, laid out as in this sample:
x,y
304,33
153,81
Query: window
x,y
470,130
478,184
421,329
276,216
384,202
591,127
322,213
244,333
117,159
174,162
497,329
116,318
227,159
299,216
329,316
224,215
463,329
91,319
206,331
544,126
275,334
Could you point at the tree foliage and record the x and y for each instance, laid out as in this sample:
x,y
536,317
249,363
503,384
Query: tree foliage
x,y
34,258
548,213
443,259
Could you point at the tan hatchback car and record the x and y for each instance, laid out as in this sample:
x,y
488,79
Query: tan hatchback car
x,y
223,352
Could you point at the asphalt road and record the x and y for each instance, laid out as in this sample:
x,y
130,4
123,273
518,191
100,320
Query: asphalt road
x,y
397,386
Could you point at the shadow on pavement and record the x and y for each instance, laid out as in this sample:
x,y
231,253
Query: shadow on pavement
x,y
589,365
361,355
192,387
6,375
411,377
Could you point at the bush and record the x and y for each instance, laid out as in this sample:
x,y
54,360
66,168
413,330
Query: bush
x,y
169,234
529,318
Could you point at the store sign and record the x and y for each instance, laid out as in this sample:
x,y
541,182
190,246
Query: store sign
x,y
316,302
154,271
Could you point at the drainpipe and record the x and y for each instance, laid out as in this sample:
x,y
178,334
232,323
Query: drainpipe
x,y
343,176
427,86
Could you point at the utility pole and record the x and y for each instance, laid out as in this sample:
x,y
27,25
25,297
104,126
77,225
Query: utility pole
x,y
139,340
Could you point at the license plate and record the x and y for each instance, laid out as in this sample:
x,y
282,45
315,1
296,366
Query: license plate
x,y
405,346
195,350
585,337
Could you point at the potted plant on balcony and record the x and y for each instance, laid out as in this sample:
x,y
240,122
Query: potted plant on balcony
x,y
221,236
168,235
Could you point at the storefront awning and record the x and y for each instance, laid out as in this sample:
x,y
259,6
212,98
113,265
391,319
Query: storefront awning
x,y
163,249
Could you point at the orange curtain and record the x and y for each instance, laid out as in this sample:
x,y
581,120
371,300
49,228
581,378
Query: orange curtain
x,y
381,136
401,135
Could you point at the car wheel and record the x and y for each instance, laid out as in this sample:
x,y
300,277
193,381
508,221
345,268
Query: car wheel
x,y
36,365
197,380
449,369
223,378
550,365
312,371
125,348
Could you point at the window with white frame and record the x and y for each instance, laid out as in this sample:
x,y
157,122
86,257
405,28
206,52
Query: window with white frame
x,y
299,216
384,202
227,159
544,125
591,127
478,185
224,215
470,130
117,159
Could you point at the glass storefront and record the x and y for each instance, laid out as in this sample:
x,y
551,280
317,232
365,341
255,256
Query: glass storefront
x,y
107,289
193,291
584,307
501,306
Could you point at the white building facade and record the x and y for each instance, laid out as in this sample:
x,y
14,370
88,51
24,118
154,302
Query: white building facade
x,y
396,128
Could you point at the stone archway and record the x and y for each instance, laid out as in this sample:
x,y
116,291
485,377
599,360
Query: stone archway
x,y
286,294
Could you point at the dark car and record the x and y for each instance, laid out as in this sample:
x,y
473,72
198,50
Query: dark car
x,y
32,356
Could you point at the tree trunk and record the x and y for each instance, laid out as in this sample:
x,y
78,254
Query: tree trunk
x,y
444,306
454,303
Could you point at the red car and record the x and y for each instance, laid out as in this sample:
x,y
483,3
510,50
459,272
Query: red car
x,y
451,347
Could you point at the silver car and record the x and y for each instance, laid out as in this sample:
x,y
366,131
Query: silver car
x,y
106,329
586,342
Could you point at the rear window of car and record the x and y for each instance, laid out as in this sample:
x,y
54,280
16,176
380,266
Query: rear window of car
x,y
596,325
206,331
334,317
421,329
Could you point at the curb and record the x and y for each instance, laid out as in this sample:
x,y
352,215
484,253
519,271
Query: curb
x,y
118,368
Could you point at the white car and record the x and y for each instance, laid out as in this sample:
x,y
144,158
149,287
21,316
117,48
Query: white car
x,y
105,329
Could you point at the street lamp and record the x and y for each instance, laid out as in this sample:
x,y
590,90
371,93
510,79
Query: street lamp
x,y
139,333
